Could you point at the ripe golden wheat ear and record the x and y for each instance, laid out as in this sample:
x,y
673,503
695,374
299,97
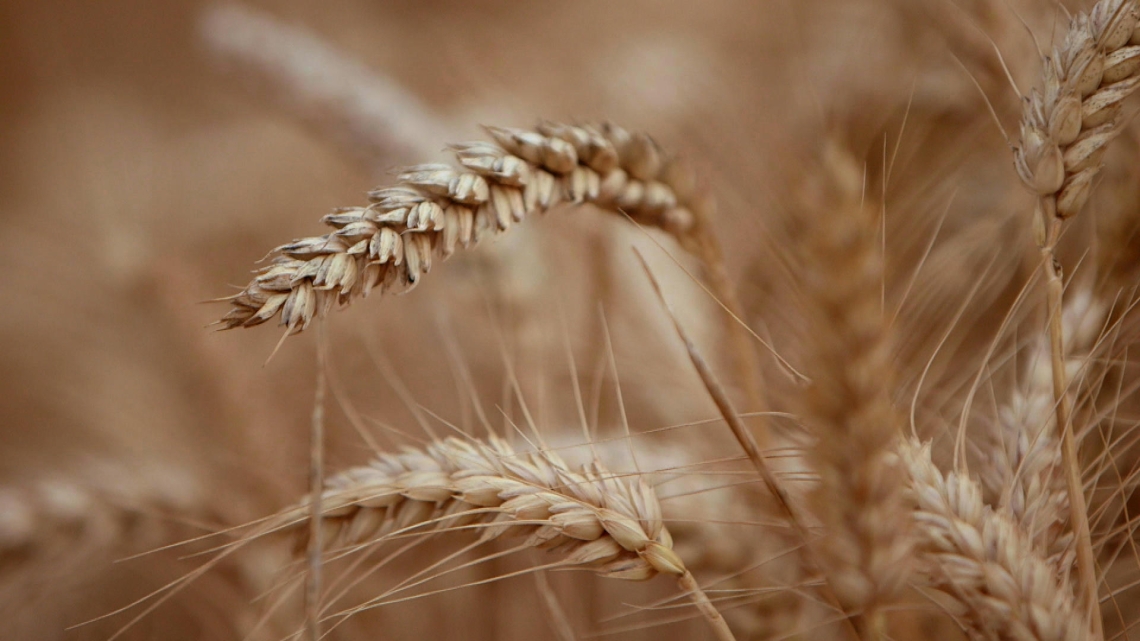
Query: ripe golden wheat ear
x,y
982,559
865,555
436,208
592,518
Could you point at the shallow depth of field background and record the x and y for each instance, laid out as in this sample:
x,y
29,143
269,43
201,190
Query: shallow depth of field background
x,y
140,175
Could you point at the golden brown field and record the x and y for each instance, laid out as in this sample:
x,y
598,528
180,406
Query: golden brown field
x,y
799,319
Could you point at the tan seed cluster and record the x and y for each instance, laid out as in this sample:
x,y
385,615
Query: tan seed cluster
x,y
982,559
1025,472
1066,128
437,208
593,518
860,498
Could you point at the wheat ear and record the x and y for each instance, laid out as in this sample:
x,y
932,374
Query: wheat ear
x,y
435,208
983,560
1064,133
1027,476
595,519
92,512
860,498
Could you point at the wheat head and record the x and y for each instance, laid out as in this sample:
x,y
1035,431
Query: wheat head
x,y
593,518
436,208
984,560
1067,126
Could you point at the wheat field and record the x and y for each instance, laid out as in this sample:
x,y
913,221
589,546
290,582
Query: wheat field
x,y
783,320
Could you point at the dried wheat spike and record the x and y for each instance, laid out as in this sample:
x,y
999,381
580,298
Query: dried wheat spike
x,y
860,499
984,561
1065,132
593,518
1066,128
436,208
66,514
1025,472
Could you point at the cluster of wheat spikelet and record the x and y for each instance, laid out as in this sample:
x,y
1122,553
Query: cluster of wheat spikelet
x,y
1007,551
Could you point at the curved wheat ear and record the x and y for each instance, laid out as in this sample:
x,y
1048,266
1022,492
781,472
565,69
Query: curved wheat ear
x,y
1066,128
596,520
984,561
435,208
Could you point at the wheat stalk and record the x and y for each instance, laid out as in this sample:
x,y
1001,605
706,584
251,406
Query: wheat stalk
x,y
594,519
370,115
982,559
1064,134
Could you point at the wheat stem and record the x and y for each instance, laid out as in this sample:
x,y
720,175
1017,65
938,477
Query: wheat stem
x,y
693,589
855,621
366,113
743,347
1070,460
316,482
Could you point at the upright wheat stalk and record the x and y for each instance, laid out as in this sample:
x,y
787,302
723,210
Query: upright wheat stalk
x,y
1064,133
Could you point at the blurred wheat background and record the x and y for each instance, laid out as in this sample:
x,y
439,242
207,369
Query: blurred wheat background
x,y
152,151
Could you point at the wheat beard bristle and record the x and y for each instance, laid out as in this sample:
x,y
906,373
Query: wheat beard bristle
x,y
436,208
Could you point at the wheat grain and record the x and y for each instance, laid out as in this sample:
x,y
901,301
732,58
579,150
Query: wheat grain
x,y
593,518
982,559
